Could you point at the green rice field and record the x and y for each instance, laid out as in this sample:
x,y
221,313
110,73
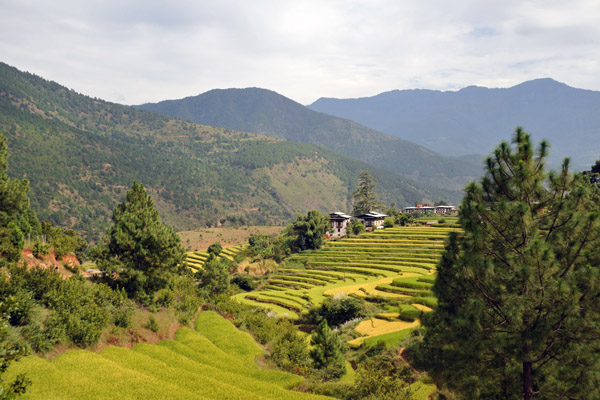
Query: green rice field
x,y
395,263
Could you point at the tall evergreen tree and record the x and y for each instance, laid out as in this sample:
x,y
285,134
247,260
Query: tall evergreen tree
x,y
327,352
139,251
365,198
518,292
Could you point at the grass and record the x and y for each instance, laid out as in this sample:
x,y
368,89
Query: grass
x,y
215,364
223,334
230,236
389,339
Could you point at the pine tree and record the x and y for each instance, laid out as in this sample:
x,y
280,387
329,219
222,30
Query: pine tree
x,y
328,351
365,198
139,252
518,292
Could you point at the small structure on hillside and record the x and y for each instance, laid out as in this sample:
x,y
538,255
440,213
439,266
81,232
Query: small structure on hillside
x,y
371,220
425,208
338,224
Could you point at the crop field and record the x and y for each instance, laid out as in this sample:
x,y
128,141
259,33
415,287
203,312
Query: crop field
x,y
394,263
216,361
196,259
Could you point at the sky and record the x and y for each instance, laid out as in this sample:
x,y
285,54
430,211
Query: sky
x,y
140,51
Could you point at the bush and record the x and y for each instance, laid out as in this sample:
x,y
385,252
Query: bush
x,y
388,222
152,324
40,249
244,282
215,249
337,310
164,297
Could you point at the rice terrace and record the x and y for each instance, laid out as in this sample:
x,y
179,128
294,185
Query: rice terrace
x,y
395,264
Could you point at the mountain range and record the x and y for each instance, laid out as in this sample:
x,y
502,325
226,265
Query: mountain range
x,y
81,154
269,113
475,119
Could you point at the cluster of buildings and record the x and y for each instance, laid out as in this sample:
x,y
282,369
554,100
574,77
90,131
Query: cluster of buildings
x,y
426,208
338,221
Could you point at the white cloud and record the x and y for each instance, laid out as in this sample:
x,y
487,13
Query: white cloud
x,y
139,51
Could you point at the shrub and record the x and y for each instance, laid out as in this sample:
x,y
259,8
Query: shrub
x,y
40,249
215,249
388,222
152,324
244,282
337,310
164,297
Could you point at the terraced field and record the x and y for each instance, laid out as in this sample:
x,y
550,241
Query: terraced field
x,y
215,361
196,259
395,263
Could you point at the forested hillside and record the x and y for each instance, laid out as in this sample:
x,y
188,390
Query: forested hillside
x,y
268,113
81,154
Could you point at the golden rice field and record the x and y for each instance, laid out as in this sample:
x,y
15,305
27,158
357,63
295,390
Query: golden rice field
x,y
214,361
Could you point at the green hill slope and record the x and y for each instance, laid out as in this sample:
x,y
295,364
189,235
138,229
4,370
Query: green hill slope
x,y
193,366
81,154
266,112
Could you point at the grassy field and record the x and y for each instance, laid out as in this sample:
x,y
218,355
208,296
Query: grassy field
x,y
200,239
216,361
394,263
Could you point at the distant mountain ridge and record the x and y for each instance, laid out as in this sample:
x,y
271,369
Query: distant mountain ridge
x,y
269,113
81,155
475,119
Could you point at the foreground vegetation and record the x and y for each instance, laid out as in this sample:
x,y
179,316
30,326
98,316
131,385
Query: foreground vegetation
x,y
213,361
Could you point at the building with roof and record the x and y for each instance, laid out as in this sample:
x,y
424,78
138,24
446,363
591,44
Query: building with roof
x,y
338,224
371,220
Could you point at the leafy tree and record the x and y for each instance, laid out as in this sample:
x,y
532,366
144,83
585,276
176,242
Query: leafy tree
x,y
518,314
214,278
16,219
365,198
139,252
383,377
327,353
289,348
337,310
309,230
356,227
215,249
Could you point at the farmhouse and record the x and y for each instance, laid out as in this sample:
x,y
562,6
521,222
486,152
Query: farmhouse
x,y
371,220
338,222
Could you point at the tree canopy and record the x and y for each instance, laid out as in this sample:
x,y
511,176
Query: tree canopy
x,y
309,230
139,251
518,314
365,198
16,218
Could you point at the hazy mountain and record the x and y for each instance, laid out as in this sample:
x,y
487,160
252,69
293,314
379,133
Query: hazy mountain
x,y
268,113
81,155
474,120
